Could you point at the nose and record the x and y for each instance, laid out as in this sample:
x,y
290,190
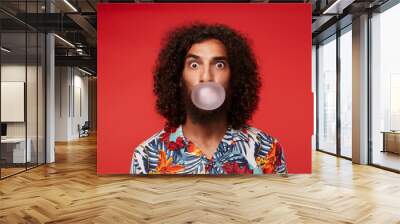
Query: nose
x,y
207,75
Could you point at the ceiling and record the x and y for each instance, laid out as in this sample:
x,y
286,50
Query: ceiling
x,y
76,22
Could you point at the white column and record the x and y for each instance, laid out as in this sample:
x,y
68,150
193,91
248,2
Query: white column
x,y
360,89
50,100
50,92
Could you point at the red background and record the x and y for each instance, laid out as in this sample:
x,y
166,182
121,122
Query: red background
x,y
128,43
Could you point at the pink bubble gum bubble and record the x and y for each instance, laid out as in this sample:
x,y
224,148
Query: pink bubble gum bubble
x,y
208,95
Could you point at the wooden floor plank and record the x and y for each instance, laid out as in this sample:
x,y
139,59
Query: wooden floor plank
x,y
70,191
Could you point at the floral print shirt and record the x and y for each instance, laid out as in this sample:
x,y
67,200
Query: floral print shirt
x,y
244,151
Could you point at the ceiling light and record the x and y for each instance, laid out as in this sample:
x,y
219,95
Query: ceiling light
x,y
84,71
5,50
70,5
65,41
338,6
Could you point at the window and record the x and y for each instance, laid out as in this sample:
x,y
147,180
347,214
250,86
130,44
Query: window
x,y
327,95
346,93
22,78
385,88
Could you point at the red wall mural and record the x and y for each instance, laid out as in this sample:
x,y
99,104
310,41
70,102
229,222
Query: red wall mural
x,y
129,39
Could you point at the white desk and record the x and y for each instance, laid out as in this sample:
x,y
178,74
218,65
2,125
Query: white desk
x,y
18,149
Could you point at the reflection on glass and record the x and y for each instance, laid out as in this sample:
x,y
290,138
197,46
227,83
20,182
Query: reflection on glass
x,y
314,81
386,88
31,101
327,96
22,90
41,98
14,153
346,94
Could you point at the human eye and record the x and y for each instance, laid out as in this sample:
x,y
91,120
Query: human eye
x,y
194,65
220,65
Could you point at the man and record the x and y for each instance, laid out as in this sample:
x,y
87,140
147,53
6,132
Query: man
x,y
200,140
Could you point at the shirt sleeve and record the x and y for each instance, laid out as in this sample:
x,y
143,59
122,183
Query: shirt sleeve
x,y
139,161
280,163
270,157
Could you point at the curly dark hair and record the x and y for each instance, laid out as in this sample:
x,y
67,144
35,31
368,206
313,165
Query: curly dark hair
x,y
244,82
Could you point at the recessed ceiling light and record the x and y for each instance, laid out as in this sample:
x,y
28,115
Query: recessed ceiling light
x,y
84,71
70,5
5,50
338,6
64,40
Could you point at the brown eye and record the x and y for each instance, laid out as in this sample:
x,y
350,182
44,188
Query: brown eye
x,y
194,65
220,65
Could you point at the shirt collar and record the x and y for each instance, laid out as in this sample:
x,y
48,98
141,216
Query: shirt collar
x,y
231,135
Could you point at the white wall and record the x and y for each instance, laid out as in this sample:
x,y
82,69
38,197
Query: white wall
x,y
71,92
61,103
79,117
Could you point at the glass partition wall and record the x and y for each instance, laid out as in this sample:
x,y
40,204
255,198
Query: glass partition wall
x,y
345,66
385,89
334,90
327,95
22,88
334,94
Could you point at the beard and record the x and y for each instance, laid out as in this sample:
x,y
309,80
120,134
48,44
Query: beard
x,y
200,116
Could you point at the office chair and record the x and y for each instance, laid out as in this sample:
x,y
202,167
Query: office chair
x,y
84,130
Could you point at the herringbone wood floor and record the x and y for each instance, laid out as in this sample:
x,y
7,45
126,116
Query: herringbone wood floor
x,y
69,191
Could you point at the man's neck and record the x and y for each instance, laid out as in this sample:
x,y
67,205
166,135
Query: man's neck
x,y
205,136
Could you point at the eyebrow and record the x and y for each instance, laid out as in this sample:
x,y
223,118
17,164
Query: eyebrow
x,y
214,58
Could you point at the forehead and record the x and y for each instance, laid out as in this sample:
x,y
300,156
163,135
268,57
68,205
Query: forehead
x,y
210,47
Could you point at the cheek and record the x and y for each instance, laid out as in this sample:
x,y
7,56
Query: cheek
x,y
188,78
224,78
